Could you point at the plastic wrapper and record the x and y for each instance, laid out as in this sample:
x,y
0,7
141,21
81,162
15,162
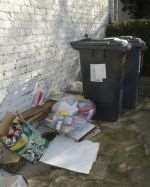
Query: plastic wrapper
x,y
86,109
28,143
39,95
68,110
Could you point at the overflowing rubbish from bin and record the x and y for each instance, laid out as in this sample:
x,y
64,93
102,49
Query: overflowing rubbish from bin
x,y
72,106
25,141
110,72
70,117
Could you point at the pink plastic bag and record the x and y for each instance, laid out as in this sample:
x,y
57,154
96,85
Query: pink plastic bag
x,y
38,95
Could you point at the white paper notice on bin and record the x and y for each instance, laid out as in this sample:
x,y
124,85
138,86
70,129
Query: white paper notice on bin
x,y
65,153
98,72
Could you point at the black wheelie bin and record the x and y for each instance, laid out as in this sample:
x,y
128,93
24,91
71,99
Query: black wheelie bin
x,y
102,69
132,71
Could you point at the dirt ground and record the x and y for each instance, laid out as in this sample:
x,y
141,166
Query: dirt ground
x,y
123,159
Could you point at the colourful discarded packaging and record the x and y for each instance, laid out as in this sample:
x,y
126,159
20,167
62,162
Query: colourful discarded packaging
x,y
29,145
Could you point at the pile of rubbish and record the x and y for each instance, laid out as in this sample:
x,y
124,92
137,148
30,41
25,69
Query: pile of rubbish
x,y
25,141
67,119
69,112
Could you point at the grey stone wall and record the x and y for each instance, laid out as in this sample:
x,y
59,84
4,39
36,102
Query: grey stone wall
x,y
35,47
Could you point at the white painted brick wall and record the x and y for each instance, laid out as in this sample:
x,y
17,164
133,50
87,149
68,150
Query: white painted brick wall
x,y
35,38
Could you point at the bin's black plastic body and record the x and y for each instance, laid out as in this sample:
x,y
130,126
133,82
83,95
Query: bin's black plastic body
x,y
132,72
106,94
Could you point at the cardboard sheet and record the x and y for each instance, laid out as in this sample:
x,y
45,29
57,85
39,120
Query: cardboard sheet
x,y
81,130
65,153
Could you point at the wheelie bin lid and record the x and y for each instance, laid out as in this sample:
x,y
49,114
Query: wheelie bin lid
x,y
106,43
135,41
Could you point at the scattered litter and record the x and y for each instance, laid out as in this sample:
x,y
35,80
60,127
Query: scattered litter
x,y
74,88
38,95
36,114
27,142
7,157
8,180
68,103
56,95
65,153
70,116
49,135
80,128
67,107
6,122
69,113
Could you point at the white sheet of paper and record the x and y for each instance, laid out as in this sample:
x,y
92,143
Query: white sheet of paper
x,y
98,72
65,153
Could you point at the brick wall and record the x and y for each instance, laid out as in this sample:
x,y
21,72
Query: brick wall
x,y
34,44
